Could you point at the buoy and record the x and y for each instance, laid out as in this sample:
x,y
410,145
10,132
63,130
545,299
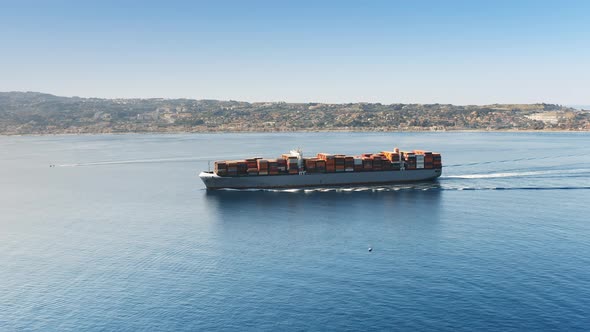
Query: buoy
x,y
370,249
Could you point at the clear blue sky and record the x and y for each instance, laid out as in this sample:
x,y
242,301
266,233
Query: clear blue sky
x,y
461,52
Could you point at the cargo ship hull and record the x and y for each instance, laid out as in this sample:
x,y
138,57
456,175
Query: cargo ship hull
x,y
213,181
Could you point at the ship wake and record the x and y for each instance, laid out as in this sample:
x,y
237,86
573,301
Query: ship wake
x,y
581,171
405,189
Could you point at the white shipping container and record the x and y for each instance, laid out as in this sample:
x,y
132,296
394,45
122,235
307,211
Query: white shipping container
x,y
419,158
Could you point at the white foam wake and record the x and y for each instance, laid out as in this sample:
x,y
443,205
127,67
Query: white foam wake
x,y
516,174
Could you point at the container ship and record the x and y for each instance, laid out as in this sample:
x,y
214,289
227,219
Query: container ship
x,y
292,170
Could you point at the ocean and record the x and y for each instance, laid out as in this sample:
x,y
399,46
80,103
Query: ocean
x,y
121,235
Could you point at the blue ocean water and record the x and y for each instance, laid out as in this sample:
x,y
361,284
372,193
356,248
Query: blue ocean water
x,y
122,236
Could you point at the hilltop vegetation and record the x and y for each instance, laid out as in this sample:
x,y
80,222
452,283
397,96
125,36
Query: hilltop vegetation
x,y
38,113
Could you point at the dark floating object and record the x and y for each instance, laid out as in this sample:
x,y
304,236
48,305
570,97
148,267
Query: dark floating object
x,y
370,249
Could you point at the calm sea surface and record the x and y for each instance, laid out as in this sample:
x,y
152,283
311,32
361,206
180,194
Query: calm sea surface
x,y
122,236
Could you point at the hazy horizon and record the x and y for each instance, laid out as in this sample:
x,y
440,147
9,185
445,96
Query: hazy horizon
x,y
459,52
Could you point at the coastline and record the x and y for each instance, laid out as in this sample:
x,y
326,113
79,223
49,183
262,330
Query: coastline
x,y
32,113
221,132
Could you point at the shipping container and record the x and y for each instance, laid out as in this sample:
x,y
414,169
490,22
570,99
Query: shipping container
x,y
330,163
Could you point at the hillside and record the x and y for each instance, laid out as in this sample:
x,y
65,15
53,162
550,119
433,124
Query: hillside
x,y
39,113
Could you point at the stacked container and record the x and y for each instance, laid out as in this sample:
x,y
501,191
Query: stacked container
x,y
378,161
252,166
273,167
419,161
242,168
329,163
348,164
428,160
394,158
410,160
431,160
282,166
367,163
436,160
358,164
292,163
221,168
262,166
311,165
340,162
232,168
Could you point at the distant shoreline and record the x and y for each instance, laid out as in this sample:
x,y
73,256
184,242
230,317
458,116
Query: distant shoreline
x,y
32,113
297,131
